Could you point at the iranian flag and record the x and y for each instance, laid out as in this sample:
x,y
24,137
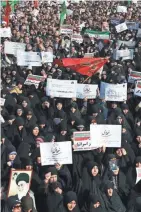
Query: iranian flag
x,y
98,34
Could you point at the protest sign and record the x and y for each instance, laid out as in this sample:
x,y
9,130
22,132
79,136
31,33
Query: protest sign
x,y
98,34
34,79
18,178
61,88
121,9
121,27
2,101
137,90
82,141
133,76
115,21
69,12
66,29
28,58
105,135
132,25
117,54
13,47
129,44
89,55
113,92
105,26
56,152
138,33
138,171
47,57
86,91
5,32
77,38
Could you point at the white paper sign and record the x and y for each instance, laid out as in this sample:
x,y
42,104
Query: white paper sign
x,y
66,29
121,9
47,57
138,171
56,152
105,135
28,58
77,38
123,53
137,90
82,141
61,88
34,79
13,47
138,33
113,92
89,55
86,91
2,101
5,32
133,76
121,27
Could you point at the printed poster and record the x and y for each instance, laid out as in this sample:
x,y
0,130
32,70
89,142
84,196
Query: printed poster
x,y
86,91
137,91
105,135
56,152
13,47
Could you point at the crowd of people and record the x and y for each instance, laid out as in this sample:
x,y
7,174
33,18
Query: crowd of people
x,y
28,114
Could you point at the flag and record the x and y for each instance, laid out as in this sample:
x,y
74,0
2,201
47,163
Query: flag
x,y
67,62
91,69
36,3
13,3
63,13
7,12
98,34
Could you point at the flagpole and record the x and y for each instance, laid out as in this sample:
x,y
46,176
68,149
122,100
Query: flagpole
x,y
86,79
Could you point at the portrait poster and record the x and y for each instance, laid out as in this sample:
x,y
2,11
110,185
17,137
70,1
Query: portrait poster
x,y
19,183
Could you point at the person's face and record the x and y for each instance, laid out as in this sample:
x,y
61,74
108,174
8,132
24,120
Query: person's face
x,y
29,117
12,157
96,205
110,192
95,170
59,106
104,76
125,111
63,132
119,152
114,105
17,208
46,104
24,104
58,190
20,86
39,160
20,128
19,112
119,119
138,138
71,205
27,41
22,186
73,110
29,167
53,178
36,131
138,165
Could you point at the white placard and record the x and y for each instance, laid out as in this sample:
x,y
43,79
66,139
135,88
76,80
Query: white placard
x,y
66,29
82,141
113,92
121,27
13,47
5,32
138,171
86,91
105,135
2,101
123,53
89,55
133,76
34,79
28,58
61,88
47,57
121,9
138,33
77,38
137,90
56,152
